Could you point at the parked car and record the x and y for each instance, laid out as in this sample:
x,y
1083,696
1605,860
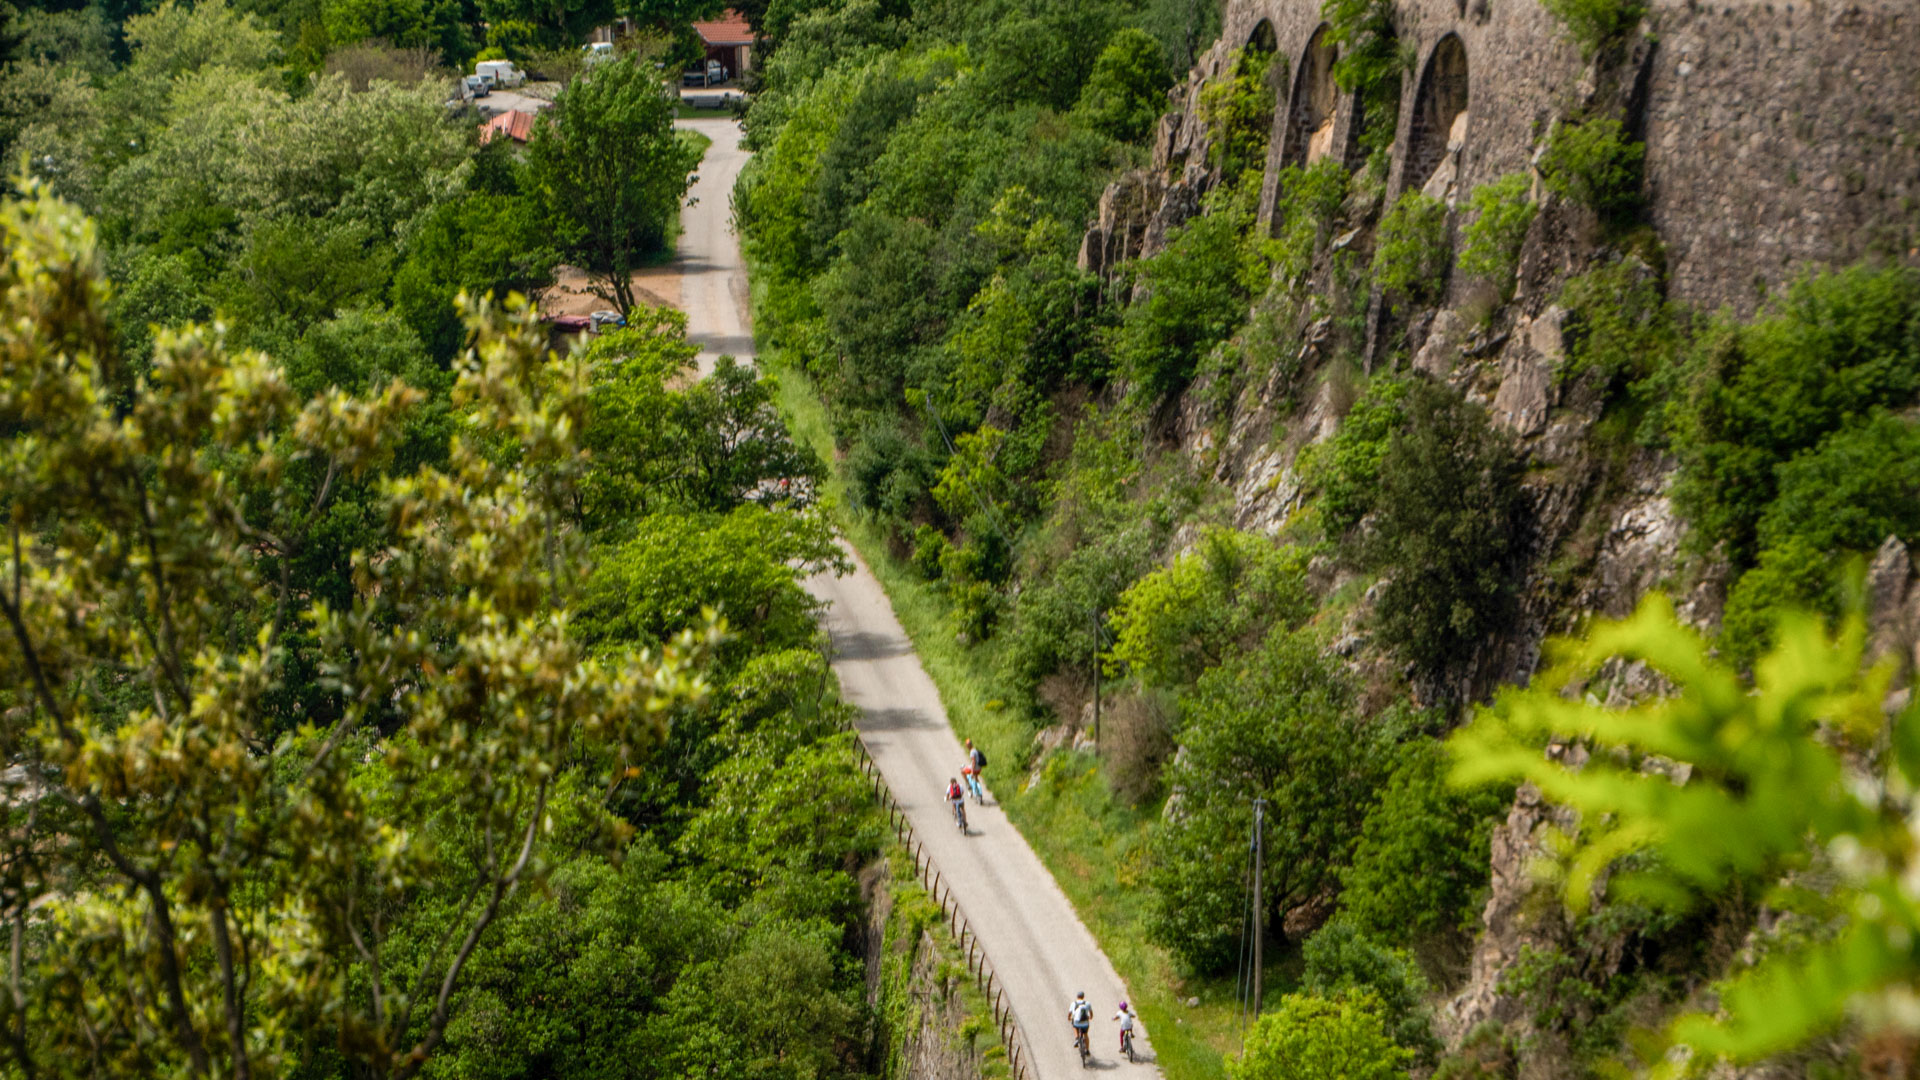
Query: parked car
x,y
597,52
708,74
500,73
606,320
476,86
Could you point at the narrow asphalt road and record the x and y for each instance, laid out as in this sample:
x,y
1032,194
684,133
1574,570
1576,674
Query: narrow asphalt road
x,y
1036,942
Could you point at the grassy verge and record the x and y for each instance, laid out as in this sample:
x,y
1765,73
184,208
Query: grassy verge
x,y
1092,843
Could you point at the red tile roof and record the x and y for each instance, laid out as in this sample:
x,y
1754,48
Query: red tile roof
x,y
729,29
513,123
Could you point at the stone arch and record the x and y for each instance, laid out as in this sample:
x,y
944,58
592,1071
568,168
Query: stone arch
x,y
1311,106
1262,37
1439,126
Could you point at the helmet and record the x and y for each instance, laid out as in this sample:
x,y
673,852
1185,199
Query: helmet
x,y
1081,994
1123,1006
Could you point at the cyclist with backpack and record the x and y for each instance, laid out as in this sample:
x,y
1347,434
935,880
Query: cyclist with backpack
x,y
978,761
957,796
1080,1015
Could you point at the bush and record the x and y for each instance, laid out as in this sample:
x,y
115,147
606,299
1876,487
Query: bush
x,y
1594,164
1177,622
1238,112
1197,291
1136,739
1860,485
1447,533
1503,211
1595,25
1308,204
1278,725
1421,864
1751,398
1312,1038
1346,468
1369,65
1410,256
1622,325
1343,961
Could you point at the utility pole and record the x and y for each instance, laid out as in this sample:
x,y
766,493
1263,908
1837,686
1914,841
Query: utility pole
x,y
1259,913
1096,678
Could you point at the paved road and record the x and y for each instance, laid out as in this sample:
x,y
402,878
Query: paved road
x,y
1033,937
713,279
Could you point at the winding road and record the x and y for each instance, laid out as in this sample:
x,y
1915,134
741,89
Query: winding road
x,y
1041,951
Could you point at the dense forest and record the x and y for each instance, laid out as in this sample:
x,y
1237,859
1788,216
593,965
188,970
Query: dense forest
x,y
1028,447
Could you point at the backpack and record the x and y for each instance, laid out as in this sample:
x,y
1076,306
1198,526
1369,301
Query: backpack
x,y
979,759
1081,1013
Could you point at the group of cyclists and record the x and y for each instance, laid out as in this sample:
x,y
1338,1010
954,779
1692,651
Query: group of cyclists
x,y
957,792
1080,1015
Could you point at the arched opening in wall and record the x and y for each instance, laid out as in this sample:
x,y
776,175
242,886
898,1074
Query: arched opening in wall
x,y
1311,106
1439,129
1263,39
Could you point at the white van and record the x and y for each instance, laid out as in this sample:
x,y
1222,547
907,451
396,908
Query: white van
x,y
500,73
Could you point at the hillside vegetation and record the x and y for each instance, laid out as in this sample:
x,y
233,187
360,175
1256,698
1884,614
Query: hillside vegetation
x,y
1031,454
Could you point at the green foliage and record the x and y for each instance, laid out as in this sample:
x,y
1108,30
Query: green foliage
x,y
1346,469
611,170
1410,253
1449,530
1342,961
1622,326
1596,25
1420,867
1751,398
1127,90
1238,112
154,618
1277,723
1780,796
1370,64
1197,291
1503,211
1312,1038
1196,614
1594,164
1308,204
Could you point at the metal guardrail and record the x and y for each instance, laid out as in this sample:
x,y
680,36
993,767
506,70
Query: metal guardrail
x,y
1019,1060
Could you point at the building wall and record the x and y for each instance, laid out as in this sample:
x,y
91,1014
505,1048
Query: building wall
x,y
1780,135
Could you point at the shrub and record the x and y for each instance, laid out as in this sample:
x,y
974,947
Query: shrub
x,y
1346,468
1127,91
1176,622
1278,724
1238,112
1369,65
1849,493
1795,576
1410,256
1309,202
888,472
1752,397
1421,863
1312,1038
1503,211
929,548
1622,326
1448,531
1594,164
1343,961
1595,25
1197,291
1136,739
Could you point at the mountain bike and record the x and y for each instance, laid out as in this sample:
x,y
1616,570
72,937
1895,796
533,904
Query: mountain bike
x,y
960,814
1126,1044
1080,1044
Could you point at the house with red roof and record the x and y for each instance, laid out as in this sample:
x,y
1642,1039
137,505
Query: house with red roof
x,y
729,40
512,124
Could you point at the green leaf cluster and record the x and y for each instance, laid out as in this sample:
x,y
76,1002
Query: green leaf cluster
x,y
1314,1038
1411,256
1503,211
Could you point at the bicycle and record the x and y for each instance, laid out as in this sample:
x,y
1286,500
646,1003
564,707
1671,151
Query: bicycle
x,y
1080,1044
960,815
1126,1045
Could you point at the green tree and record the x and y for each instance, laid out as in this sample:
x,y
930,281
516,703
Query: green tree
x,y
1410,254
1503,211
1277,724
1596,164
1196,292
611,170
1449,531
1175,623
1781,793
1238,111
1312,1038
211,888
1127,91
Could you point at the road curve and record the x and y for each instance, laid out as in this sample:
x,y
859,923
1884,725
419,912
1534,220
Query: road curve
x,y
1041,951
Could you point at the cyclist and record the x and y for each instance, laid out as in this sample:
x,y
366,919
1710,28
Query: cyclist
x,y
1125,1016
1080,1015
978,763
957,796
